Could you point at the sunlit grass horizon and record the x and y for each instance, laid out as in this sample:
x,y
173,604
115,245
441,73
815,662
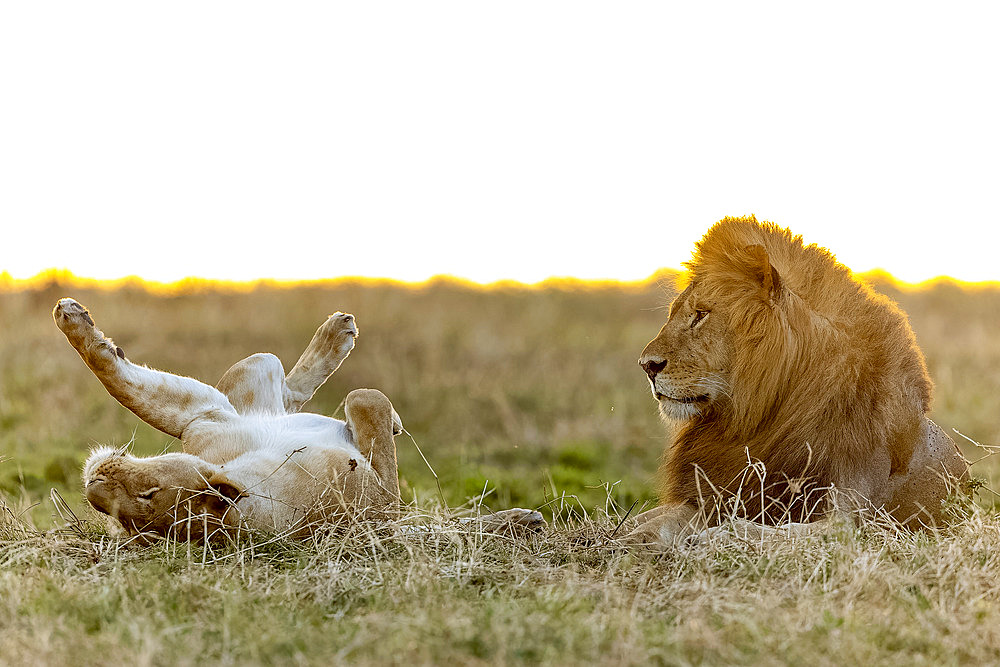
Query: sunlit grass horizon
x,y
194,283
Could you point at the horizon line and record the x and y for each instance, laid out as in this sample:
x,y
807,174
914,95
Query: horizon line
x,y
63,276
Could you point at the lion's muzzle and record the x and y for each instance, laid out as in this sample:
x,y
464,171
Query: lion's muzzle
x,y
98,496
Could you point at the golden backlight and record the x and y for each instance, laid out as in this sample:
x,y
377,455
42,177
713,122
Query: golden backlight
x,y
67,279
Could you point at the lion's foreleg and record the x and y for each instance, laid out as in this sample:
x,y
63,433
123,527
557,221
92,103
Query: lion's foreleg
x,y
329,346
165,401
663,527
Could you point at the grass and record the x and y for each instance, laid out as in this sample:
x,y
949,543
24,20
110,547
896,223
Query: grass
x,y
532,394
871,595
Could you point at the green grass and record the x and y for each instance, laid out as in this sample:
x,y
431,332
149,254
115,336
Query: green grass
x,y
532,395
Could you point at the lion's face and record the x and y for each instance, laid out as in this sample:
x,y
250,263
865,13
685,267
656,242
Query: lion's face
x,y
687,362
174,494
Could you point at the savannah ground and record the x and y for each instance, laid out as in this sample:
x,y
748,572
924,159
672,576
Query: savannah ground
x,y
518,397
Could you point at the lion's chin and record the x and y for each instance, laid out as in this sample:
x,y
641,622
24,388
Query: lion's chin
x,y
680,410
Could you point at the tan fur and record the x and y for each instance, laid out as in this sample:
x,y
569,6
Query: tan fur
x,y
775,354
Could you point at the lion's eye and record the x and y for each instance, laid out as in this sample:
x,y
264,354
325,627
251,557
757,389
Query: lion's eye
x,y
699,315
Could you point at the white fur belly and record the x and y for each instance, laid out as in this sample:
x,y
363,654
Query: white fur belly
x,y
289,432
222,443
286,469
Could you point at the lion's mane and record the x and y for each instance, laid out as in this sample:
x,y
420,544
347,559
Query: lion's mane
x,y
824,372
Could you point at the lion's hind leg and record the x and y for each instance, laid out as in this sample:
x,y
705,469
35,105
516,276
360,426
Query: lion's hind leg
x,y
374,424
256,385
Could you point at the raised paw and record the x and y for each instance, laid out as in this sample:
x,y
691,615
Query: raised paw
x,y
515,519
74,320
369,410
330,345
338,333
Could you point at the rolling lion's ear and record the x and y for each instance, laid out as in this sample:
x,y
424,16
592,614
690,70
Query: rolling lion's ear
x,y
757,265
225,486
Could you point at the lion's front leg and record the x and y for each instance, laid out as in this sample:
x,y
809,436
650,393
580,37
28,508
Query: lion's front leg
x,y
165,401
663,527
329,346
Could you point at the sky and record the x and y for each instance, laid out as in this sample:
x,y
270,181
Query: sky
x,y
514,140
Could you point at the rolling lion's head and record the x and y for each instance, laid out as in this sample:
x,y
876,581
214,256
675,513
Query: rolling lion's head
x,y
171,494
727,341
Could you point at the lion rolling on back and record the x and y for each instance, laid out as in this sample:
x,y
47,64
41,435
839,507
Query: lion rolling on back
x,y
775,354
251,458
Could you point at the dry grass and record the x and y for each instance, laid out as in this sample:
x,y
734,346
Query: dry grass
x,y
374,595
508,390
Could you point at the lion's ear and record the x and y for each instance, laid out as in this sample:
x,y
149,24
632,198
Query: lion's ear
x,y
225,486
757,265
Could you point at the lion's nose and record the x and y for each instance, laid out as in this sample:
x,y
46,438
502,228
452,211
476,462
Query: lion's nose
x,y
652,367
97,496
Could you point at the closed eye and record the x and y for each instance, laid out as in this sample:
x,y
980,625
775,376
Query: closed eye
x,y
699,315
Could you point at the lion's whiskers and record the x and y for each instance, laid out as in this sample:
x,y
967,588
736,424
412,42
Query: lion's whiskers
x,y
714,383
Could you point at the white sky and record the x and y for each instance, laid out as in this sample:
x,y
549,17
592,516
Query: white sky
x,y
521,140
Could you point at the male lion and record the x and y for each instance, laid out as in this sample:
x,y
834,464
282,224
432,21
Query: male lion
x,y
774,355
250,458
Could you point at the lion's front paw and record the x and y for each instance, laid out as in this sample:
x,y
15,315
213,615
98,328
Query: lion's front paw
x,y
661,533
648,536
339,332
517,519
